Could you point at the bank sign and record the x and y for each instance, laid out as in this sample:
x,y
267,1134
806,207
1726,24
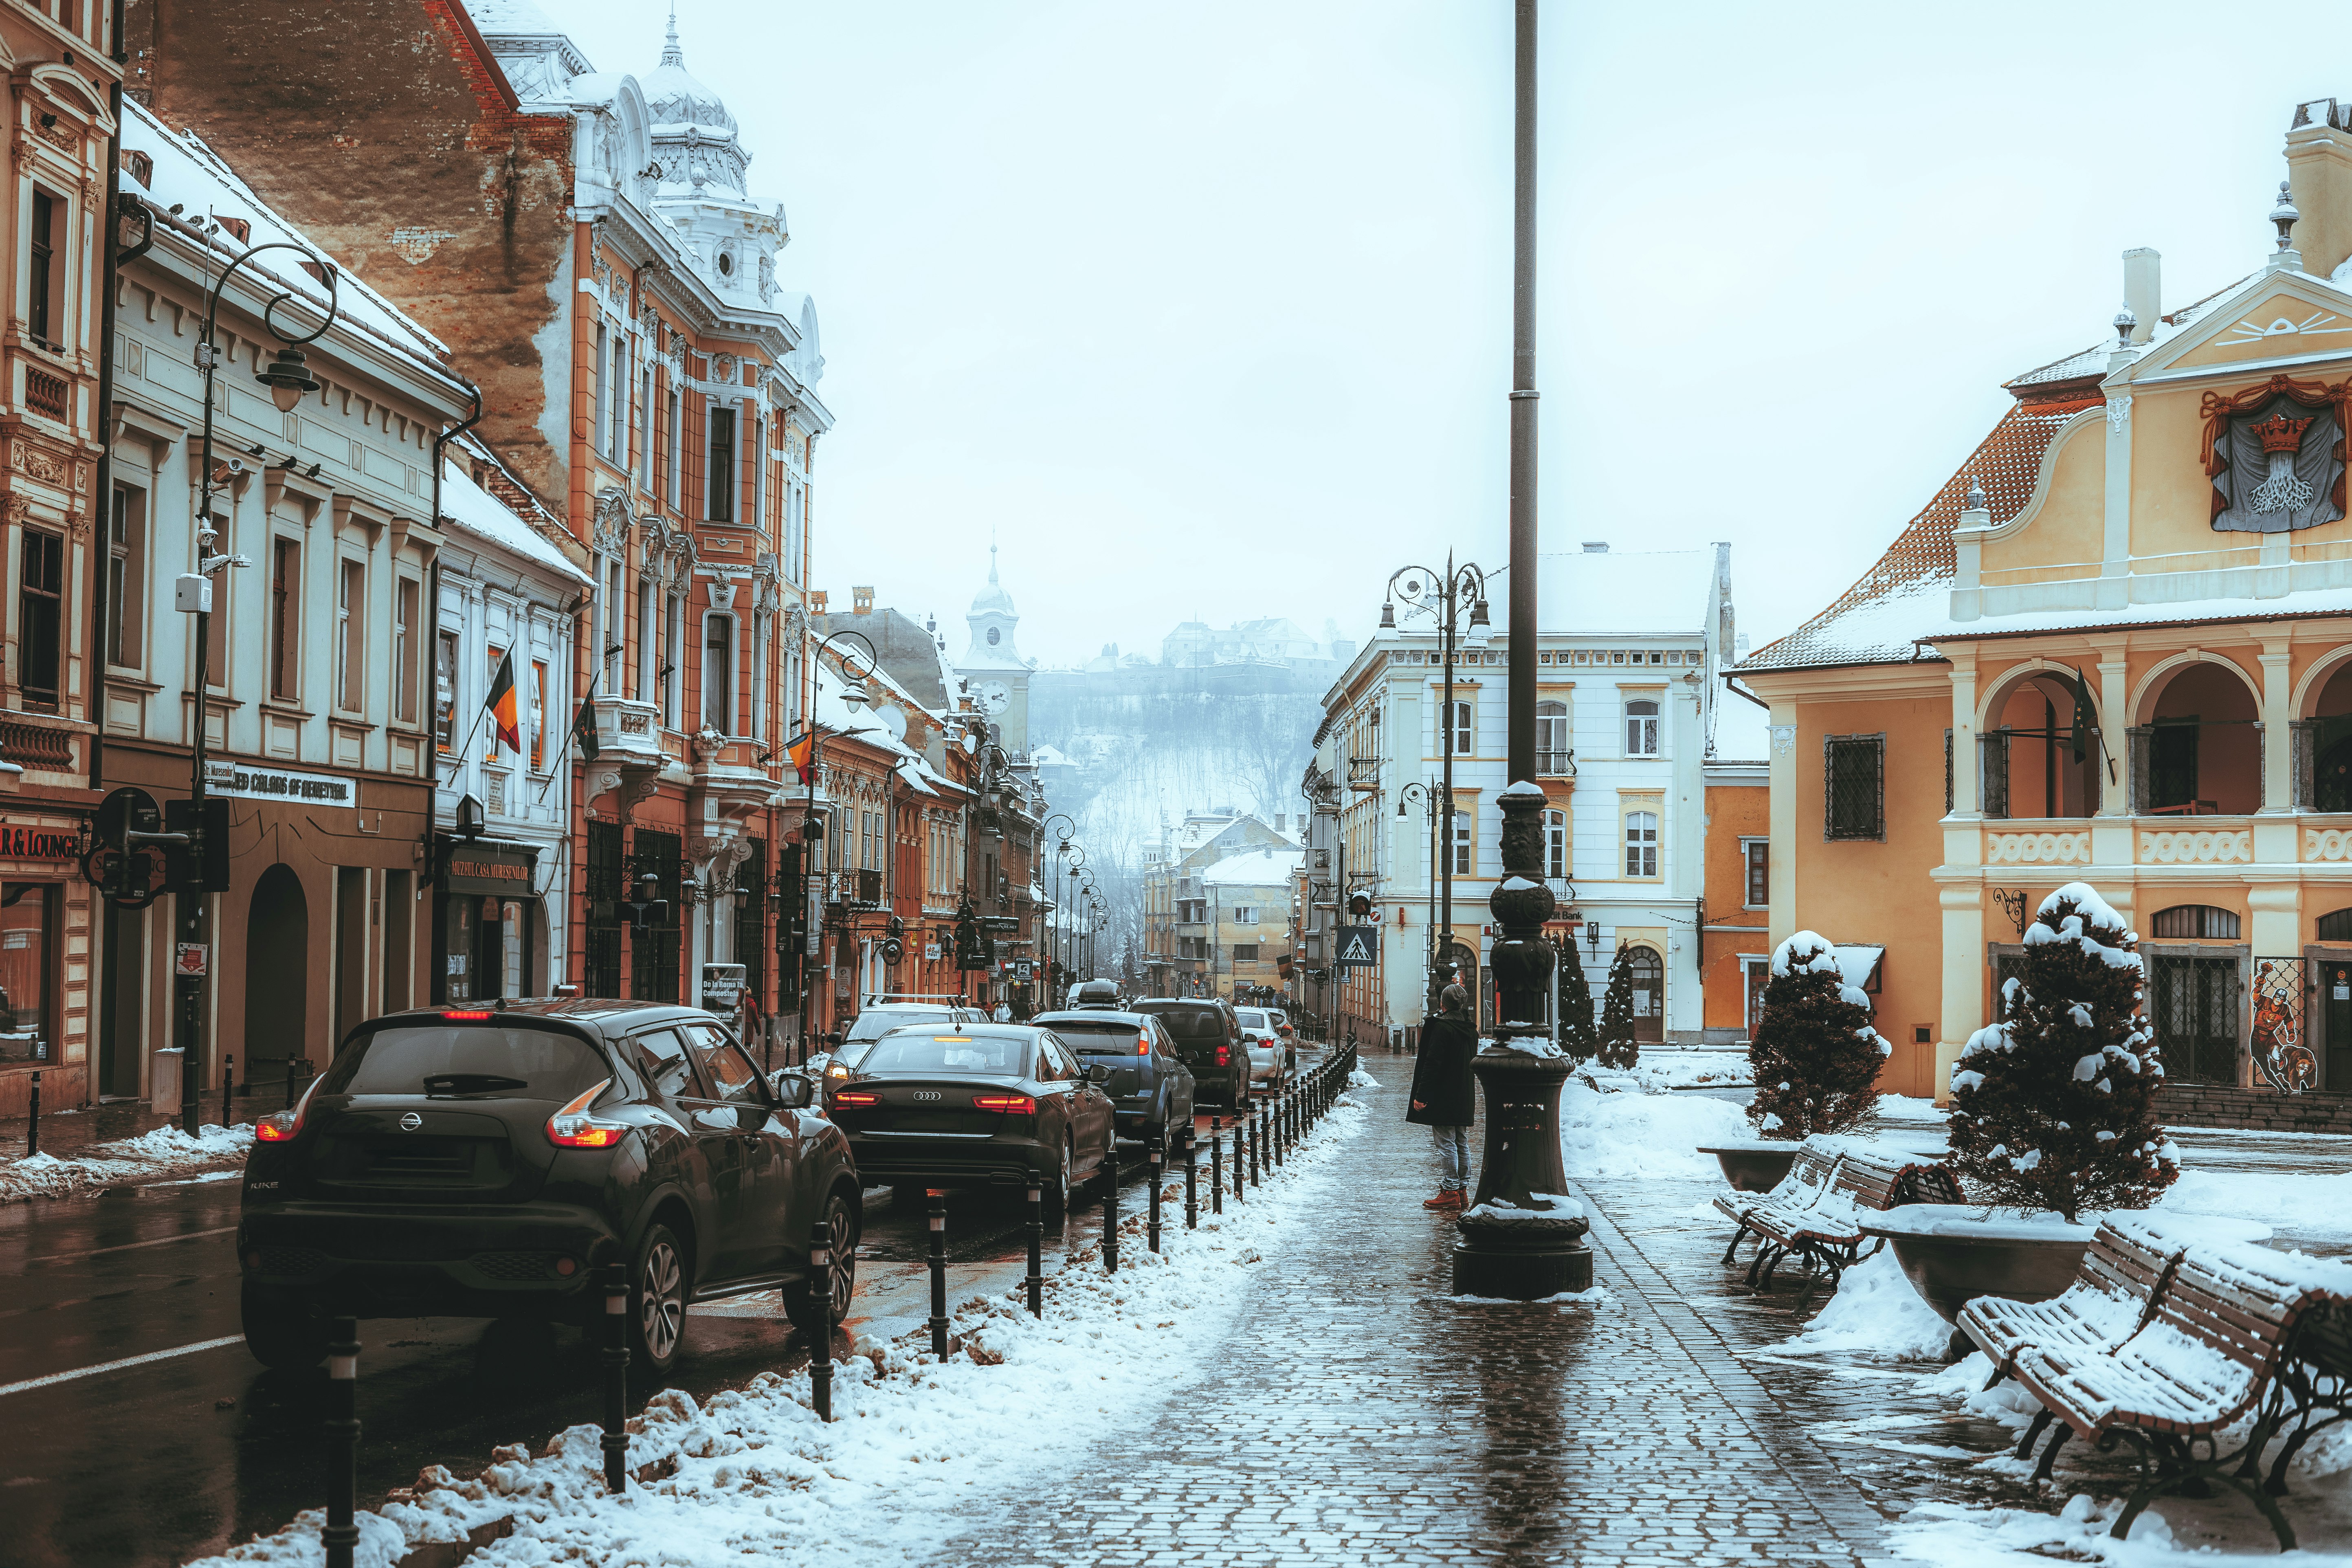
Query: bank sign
x,y
277,784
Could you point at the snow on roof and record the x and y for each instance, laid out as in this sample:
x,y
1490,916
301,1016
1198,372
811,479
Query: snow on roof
x,y
479,512
1588,592
187,172
1875,621
2092,362
1259,868
1048,756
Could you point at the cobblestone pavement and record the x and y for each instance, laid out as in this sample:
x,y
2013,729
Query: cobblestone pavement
x,y
1357,1416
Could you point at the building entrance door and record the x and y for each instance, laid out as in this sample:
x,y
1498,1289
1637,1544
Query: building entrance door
x,y
2194,1004
2335,1004
1649,994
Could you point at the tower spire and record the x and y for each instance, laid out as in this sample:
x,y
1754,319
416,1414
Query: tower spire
x,y
671,53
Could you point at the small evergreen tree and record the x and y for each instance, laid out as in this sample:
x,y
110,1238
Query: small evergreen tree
x,y
1618,1048
1815,1055
1578,1036
2055,1107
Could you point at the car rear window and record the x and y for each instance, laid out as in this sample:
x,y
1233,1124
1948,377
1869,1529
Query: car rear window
x,y
1252,1018
1191,1023
1104,1039
468,1061
920,1051
875,1022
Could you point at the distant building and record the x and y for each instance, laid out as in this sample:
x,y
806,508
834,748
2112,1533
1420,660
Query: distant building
x,y
991,665
1179,935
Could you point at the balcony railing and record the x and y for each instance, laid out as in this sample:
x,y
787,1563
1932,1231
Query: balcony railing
x,y
34,746
44,393
853,887
1556,765
1364,773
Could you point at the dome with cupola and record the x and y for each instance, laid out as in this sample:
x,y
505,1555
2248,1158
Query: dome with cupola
x,y
694,135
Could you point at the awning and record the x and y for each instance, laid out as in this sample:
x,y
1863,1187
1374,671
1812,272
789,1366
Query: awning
x,y
1859,963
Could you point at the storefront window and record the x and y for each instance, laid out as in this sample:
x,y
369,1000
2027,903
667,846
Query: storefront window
x,y
28,919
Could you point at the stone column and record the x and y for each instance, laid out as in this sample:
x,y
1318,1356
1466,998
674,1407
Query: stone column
x,y
1963,1011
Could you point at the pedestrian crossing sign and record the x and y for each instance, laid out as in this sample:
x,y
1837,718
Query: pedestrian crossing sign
x,y
1358,948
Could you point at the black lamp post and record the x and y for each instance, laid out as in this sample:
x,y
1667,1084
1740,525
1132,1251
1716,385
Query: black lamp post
x,y
1443,599
1538,1250
288,378
1438,802
853,690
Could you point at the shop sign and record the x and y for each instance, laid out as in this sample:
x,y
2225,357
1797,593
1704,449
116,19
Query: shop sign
x,y
481,869
192,960
931,952
280,784
39,844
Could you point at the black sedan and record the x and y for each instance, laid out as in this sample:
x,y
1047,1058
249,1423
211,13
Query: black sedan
x,y
986,1105
485,1162
1151,1089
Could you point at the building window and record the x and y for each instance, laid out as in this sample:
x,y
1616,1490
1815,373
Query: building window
x,y
445,692
645,463
648,649
608,631
1552,752
1855,785
403,649
351,631
1458,733
719,488
1756,854
1245,914
1556,845
29,971
41,271
676,455
2197,922
1641,844
40,619
285,619
603,392
1641,728
126,576
1461,843
1246,953
718,673
671,653
618,442
539,713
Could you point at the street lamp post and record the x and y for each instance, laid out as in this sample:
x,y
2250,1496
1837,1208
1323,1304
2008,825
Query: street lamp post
x,y
853,690
1539,1250
1445,598
288,378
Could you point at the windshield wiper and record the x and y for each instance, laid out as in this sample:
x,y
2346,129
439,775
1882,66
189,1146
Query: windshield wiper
x,y
448,1083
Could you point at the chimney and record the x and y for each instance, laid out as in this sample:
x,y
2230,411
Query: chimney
x,y
1596,547
861,600
2319,178
2142,291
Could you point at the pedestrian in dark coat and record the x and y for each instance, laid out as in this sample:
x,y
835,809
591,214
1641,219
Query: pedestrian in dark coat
x,y
1445,1096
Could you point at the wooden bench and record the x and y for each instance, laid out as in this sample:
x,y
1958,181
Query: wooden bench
x,y
1819,1220
2223,1345
2129,1263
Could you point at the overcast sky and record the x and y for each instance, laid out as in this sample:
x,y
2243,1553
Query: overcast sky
x,y
1203,308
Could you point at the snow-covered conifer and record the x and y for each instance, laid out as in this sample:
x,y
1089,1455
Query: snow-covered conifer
x,y
1578,1036
1815,1054
1617,1047
2055,1107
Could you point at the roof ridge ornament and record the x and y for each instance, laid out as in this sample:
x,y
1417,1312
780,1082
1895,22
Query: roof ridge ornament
x,y
671,53
2284,259
1976,496
2126,320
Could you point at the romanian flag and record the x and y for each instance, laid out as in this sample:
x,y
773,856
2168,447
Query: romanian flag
x,y
803,752
502,703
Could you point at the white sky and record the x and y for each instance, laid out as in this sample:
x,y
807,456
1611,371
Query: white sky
x,y
1204,308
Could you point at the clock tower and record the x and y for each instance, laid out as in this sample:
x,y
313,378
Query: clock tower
x,y
993,668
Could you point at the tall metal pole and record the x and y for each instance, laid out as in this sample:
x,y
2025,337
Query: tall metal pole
x,y
1445,833
1521,1071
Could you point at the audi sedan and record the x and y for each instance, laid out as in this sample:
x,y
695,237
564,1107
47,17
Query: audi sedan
x,y
987,1105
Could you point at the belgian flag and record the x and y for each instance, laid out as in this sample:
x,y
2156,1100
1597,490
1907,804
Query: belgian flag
x,y
501,703
803,752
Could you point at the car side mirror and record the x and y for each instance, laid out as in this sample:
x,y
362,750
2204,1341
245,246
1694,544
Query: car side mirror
x,y
1098,1073
793,1090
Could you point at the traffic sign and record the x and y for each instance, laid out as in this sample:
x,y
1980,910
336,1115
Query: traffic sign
x,y
1359,947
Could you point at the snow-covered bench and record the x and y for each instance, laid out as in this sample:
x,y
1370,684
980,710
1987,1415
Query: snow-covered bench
x,y
2129,1263
1817,1211
2239,1334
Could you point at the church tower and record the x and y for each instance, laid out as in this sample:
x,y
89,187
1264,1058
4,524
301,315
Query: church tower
x,y
991,665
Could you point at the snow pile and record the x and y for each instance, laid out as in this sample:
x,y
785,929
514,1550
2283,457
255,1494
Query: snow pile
x,y
1807,952
2309,1205
1875,1310
1607,1132
752,1476
1904,1108
160,1155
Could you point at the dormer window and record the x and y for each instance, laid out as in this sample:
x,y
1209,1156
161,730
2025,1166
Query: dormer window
x,y
726,264
994,636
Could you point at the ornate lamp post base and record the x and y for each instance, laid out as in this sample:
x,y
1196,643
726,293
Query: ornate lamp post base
x,y
1523,1238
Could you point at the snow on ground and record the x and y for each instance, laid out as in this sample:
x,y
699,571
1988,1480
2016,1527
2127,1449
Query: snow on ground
x,y
151,1157
917,1447
1875,1308
1610,1128
1692,1069
2310,1204
1903,1108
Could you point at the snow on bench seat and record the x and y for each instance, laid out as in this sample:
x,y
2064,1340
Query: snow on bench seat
x,y
2130,1261
1817,1210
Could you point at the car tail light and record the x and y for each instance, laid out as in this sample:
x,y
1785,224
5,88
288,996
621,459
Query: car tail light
x,y
1019,1104
1142,1047
469,1017
855,1096
280,1126
1221,1056
574,1128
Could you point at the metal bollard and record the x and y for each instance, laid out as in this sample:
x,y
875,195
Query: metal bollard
x,y
1153,1228
615,1440
1257,1141
1216,1164
1110,1216
33,1127
1241,1157
821,1289
938,1273
1036,1248
343,1532
1191,1183
1281,1124
228,1090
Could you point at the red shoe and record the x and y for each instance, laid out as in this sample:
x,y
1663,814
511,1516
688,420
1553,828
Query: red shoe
x,y
1445,1201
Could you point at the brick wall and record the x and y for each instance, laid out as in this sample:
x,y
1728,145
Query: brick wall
x,y
2265,1110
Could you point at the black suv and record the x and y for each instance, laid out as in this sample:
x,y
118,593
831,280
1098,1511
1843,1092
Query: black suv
x,y
482,1162
1208,1039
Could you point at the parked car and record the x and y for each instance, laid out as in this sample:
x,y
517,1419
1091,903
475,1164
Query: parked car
x,y
1269,1058
1150,1089
879,1018
1096,993
984,1105
1208,1042
483,1162
1289,1032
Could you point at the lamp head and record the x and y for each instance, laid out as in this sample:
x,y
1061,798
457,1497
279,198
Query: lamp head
x,y
288,379
1388,615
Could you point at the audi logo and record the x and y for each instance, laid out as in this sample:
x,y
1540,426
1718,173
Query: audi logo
x,y
926,1094
411,1122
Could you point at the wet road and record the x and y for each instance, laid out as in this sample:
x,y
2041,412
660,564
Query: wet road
x,y
169,1458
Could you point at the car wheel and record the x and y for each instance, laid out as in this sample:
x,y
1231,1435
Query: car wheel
x,y
841,1221
1055,1195
658,1300
279,1333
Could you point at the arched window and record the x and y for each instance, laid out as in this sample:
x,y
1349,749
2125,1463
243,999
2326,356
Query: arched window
x,y
1649,975
1551,738
2335,926
1641,728
2197,922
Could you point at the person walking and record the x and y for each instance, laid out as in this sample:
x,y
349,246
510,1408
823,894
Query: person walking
x,y
1445,1096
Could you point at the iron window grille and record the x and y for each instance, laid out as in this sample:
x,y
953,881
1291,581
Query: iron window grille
x,y
1856,774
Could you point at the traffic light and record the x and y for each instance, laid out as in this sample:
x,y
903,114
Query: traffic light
x,y
178,873
1359,906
